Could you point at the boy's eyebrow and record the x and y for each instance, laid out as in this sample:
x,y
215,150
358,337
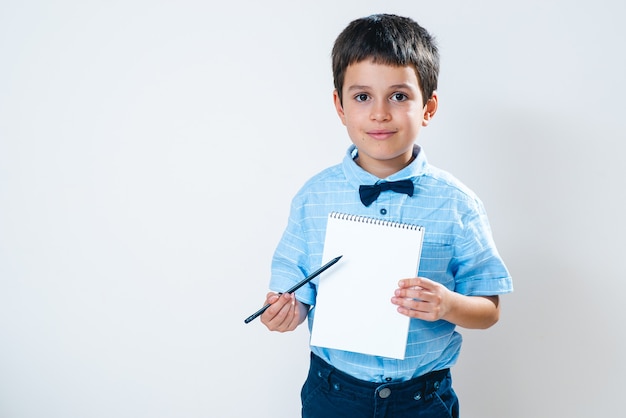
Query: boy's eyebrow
x,y
357,87
392,87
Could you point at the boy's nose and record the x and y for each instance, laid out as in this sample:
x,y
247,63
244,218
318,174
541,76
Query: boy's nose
x,y
380,112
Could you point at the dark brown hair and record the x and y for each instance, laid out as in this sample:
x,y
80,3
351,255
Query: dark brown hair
x,y
387,39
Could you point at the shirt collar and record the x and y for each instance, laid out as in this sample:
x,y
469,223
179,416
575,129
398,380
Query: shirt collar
x,y
357,176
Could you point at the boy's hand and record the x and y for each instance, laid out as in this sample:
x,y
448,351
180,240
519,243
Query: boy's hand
x,y
425,299
285,314
422,298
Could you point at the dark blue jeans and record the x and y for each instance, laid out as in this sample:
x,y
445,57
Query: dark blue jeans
x,y
329,393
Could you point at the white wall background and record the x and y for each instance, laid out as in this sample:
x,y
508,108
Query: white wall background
x,y
149,151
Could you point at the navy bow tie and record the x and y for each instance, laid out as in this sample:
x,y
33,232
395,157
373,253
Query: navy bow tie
x,y
370,193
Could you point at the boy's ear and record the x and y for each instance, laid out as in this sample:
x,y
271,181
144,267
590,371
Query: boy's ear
x,y
430,109
339,107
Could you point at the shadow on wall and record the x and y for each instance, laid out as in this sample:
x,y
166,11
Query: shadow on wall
x,y
554,205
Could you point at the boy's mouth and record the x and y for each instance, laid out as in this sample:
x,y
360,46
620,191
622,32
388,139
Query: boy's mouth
x,y
381,134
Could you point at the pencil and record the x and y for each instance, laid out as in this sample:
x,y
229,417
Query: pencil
x,y
295,287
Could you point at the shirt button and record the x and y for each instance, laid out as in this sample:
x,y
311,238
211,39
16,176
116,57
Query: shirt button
x,y
383,211
388,379
384,393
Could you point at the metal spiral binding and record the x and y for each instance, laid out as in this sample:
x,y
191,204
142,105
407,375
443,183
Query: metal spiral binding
x,y
374,221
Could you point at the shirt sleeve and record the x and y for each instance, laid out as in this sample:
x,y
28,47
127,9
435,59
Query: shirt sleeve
x,y
478,268
290,263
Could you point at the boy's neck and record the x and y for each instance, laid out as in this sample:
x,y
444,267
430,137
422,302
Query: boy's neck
x,y
386,168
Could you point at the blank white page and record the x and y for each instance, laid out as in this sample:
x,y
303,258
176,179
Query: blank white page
x,y
353,310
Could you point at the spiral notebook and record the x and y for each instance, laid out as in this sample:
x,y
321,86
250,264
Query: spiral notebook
x,y
353,310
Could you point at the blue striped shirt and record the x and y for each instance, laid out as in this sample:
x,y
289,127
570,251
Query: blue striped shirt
x,y
458,252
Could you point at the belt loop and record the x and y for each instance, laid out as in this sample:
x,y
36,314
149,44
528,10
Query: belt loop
x,y
435,383
321,370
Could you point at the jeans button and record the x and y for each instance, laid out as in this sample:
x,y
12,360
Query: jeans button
x,y
417,396
384,393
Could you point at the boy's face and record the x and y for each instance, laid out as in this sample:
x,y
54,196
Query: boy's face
x,y
383,112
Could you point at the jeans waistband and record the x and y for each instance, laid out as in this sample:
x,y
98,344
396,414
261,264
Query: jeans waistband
x,y
416,388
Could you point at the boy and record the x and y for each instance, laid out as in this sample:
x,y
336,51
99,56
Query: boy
x,y
385,70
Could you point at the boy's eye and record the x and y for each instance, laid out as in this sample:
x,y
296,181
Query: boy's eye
x,y
361,97
399,97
